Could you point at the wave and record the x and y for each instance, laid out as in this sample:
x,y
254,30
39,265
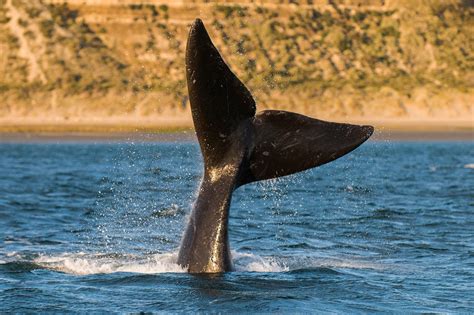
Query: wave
x,y
100,263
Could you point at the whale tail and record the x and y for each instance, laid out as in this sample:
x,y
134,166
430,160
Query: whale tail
x,y
240,147
282,143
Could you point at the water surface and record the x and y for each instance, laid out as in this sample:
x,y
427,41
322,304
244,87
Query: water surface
x,y
94,227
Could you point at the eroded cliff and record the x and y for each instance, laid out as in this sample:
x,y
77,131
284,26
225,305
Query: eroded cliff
x,y
334,59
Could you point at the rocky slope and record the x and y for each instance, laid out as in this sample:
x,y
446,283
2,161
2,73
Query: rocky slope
x,y
332,59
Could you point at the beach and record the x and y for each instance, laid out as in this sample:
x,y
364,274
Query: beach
x,y
181,129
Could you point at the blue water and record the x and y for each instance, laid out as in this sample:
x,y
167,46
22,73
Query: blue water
x,y
94,227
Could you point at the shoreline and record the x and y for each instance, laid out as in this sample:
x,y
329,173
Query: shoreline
x,y
189,136
169,129
173,123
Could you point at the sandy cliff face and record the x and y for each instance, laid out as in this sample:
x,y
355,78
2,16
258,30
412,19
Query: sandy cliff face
x,y
337,59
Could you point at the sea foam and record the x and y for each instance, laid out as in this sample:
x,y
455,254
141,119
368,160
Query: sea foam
x,y
99,263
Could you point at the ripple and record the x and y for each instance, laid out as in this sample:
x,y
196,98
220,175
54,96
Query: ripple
x,y
385,213
97,232
20,266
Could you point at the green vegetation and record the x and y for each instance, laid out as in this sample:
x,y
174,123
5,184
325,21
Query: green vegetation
x,y
164,8
63,15
287,55
47,27
136,6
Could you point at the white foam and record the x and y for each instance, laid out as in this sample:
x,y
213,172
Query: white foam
x,y
101,263
85,264
255,263
337,263
470,165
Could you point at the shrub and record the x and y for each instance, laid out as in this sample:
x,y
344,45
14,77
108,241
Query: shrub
x,y
345,44
163,8
390,31
47,28
152,8
12,40
63,15
136,6
33,12
23,23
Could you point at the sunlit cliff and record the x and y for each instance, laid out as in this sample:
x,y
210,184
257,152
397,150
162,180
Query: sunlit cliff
x,y
124,60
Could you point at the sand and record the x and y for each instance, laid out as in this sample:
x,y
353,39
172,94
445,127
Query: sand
x,y
181,129
184,122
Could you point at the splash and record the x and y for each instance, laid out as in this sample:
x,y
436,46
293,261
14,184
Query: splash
x,y
86,264
470,165
99,263
255,263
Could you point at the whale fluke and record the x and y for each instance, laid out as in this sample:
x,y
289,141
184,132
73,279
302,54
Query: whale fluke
x,y
240,147
219,101
286,143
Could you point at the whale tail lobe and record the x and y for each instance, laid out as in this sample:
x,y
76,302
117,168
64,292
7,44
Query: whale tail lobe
x,y
281,143
287,143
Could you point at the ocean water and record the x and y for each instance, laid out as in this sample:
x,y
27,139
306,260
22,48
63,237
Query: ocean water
x,y
95,227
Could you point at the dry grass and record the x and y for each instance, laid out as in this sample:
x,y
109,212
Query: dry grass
x,y
107,64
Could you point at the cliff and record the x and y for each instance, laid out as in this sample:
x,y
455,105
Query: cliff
x,y
121,61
